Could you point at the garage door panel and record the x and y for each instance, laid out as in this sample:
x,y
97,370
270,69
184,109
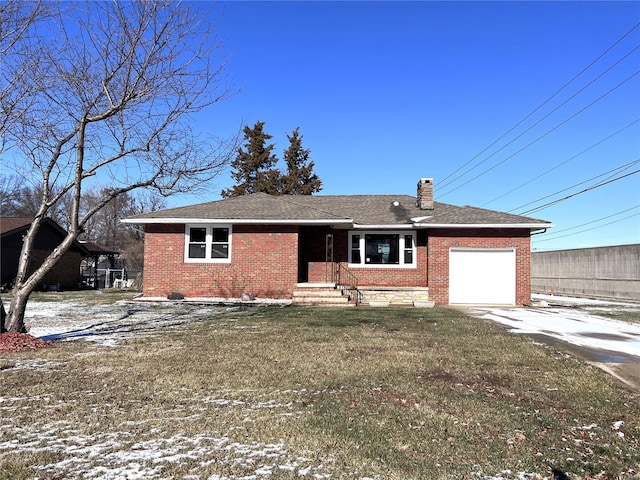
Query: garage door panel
x,y
482,276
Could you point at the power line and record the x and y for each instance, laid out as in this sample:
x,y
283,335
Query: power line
x,y
606,217
593,187
571,117
543,103
589,229
621,168
542,119
563,163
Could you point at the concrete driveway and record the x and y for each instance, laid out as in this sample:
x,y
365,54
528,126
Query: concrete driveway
x,y
567,324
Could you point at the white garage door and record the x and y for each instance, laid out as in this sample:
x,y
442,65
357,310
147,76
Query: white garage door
x,y
482,276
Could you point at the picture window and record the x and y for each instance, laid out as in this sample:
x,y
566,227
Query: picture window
x,y
382,249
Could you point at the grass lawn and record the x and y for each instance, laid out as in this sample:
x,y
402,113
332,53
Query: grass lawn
x,y
630,315
302,392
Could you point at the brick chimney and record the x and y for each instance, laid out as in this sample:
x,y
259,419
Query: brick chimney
x,y
425,194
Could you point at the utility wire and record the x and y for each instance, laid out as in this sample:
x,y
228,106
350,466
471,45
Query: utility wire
x,y
543,103
538,122
619,169
593,187
571,117
588,229
562,163
591,222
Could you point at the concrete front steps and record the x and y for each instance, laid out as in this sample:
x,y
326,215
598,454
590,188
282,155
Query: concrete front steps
x,y
323,294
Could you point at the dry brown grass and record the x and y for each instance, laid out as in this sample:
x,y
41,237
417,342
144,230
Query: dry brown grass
x,y
294,392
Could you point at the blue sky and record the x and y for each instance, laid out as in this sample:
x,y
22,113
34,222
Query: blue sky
x,y
388,92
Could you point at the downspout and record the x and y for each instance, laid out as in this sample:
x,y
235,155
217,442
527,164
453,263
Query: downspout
x,y
544,230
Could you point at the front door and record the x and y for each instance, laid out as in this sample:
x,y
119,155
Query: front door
x,y
316,250
328,258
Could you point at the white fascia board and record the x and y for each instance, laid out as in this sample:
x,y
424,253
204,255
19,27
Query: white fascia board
x,y
236,221
401,226
484,225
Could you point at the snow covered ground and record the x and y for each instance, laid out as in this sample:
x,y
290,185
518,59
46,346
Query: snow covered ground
x,y
555,318
609,344
107,325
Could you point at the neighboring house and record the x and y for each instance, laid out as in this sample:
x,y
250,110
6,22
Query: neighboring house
x,y
398,248
102,268
65,274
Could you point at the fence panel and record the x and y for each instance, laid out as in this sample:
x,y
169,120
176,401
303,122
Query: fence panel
x,y
607,272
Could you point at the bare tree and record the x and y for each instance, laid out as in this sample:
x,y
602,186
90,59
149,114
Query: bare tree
x,y
108,98
133,245
17,22
10,193
18,199
106,228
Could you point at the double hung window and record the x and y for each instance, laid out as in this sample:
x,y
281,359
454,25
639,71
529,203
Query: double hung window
x,y
208,243
382,248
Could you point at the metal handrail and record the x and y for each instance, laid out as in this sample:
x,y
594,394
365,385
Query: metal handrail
x,y
346,280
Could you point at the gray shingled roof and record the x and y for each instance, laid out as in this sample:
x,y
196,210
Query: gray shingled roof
x,y
359,210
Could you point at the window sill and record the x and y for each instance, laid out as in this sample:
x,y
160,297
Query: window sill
x,y
207,261
379,266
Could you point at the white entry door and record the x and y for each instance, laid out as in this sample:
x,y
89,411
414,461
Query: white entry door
x,y
482,276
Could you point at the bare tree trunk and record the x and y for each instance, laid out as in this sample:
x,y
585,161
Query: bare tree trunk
x,y
17,308
20,294
119,84
3,315
24,285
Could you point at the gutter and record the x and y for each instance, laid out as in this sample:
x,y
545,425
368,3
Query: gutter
x,y
485,225
343,222
400,226
237,221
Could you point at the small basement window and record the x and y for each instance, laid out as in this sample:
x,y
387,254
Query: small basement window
x,y
208,243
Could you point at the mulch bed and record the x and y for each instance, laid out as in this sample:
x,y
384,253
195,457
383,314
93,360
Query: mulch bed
x,y
19,342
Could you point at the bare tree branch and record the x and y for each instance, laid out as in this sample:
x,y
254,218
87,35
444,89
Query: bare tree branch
x,y
111,99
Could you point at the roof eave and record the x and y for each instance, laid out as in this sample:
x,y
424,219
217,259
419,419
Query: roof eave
x,y
330,221
484,225
397,226
238,221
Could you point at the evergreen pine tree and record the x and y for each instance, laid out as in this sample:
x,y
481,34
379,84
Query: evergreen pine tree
x,y
254,166
299,179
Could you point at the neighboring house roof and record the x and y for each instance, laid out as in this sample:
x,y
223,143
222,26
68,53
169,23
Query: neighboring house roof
x,y
348,211
9,224
97,249
14,225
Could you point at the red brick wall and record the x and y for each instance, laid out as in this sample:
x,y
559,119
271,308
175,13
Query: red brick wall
x,y
395,277
375,276
321,272
264,262
438,258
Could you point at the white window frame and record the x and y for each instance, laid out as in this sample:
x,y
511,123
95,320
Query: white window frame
x,y
401,247
208,242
